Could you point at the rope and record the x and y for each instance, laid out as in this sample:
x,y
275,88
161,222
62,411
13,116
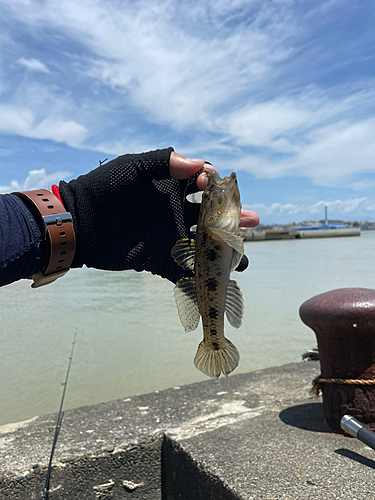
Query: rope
x,y
318,382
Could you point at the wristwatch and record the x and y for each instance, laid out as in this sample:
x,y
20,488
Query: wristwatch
x,y
57,227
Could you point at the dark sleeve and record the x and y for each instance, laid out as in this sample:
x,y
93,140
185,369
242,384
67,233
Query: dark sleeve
x,y
22,251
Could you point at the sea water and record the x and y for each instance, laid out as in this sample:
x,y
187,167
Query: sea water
x,y
129,337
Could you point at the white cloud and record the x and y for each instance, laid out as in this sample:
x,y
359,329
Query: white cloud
x,y
15,120
36,179
176,64
329,155
363,185
284,123
33,65
339,150
361,206
265,124
217,71
70,132
22,121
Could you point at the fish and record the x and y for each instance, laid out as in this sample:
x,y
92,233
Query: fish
x,y
211,293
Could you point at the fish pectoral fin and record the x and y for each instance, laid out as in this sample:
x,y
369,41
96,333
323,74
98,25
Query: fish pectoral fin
x,y
184,253
236,259
185,295
233,240
213,362
234,306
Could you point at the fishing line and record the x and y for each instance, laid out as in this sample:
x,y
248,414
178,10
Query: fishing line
x,y
190,181
59,421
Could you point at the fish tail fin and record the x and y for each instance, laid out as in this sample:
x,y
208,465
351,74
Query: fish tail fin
x,y
213,362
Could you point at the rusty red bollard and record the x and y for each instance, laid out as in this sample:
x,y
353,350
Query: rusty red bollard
x,y
344,323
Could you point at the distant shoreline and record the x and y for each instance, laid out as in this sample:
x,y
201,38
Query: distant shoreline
x,y
296,234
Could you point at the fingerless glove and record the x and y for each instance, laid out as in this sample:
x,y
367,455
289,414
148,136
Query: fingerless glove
x,y
129,213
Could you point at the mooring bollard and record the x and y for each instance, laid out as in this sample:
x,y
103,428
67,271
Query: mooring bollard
x,y
344,323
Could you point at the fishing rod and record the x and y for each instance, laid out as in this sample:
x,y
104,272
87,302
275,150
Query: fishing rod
x,y
357,429
58,423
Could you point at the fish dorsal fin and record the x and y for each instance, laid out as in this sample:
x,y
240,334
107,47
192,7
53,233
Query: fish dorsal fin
x,y
234,306
185,296
184,253
233,240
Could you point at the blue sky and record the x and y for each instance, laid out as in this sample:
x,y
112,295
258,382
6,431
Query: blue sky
x,y
282,92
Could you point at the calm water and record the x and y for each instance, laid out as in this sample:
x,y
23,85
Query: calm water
x,y
130,340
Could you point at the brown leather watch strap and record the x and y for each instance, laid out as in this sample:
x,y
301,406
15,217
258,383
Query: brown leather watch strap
x,y
59,234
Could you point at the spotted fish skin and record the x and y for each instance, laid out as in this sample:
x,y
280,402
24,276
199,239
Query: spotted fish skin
x,y
217,251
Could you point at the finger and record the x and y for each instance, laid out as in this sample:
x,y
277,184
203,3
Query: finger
x,y
181,167
249,218
202,179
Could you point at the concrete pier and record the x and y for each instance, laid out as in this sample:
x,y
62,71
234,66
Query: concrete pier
x,y
251,436
249,235
329,233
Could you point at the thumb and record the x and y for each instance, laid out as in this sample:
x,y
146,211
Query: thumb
x,y
181,167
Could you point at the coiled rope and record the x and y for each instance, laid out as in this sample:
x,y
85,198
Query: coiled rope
x,y
318,382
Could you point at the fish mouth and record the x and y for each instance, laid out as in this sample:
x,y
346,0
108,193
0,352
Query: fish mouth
x,y
225,183
224,196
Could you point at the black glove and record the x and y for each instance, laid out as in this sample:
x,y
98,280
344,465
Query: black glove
x,y
129,213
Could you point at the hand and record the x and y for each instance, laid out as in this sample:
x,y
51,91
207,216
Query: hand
x,y
129,212
181,167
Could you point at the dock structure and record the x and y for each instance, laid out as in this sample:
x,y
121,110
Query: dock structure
x,y
296,234
248,436
328,233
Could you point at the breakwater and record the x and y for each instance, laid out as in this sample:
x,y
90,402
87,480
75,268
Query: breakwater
x,y
295,234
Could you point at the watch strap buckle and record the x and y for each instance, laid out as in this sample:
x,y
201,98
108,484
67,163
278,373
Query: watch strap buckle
x,y
40,279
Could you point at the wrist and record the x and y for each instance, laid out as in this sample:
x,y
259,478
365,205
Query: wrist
x,y
57,230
